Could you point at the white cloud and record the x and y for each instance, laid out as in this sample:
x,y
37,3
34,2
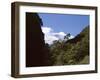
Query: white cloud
x,y
46,29
51,36
71,37
60,35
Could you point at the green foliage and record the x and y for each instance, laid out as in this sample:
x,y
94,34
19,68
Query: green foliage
x,y
67,36
71,51
85,60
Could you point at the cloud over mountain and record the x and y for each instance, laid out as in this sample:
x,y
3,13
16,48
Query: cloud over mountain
x,y
51,35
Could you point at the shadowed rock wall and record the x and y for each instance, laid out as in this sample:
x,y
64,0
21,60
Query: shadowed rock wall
x,y
35,44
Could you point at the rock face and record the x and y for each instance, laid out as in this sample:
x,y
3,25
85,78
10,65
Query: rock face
x,y
35,44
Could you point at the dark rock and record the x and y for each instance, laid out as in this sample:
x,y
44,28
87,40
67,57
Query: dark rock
x,y
35,44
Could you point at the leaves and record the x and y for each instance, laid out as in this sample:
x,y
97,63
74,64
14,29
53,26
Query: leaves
x,y
67,36
71,51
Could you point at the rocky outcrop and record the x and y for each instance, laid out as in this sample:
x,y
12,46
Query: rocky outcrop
x,y
35,44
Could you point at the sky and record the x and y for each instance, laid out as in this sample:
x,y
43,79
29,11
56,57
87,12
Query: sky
x,y
56,26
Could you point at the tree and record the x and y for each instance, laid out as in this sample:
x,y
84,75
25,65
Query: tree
x,y
67,36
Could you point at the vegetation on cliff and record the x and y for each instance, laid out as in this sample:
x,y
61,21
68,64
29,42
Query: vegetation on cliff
x,y
70,51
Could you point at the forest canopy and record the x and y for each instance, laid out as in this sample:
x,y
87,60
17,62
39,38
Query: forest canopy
x,y
70,51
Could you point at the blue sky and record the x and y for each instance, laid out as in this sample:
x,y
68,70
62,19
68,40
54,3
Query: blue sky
x,y
64,23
